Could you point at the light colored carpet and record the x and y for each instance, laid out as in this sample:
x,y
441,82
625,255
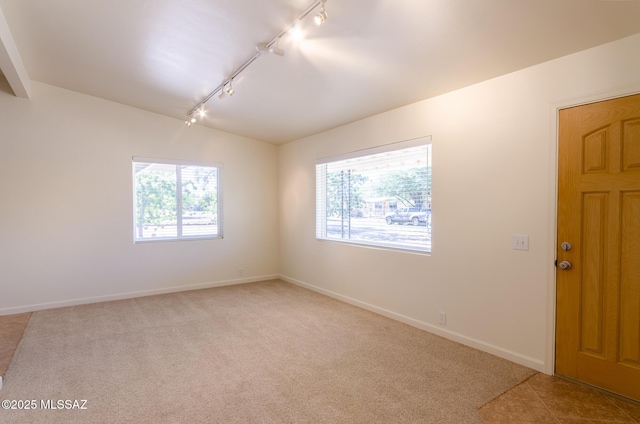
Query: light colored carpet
x,y
267,352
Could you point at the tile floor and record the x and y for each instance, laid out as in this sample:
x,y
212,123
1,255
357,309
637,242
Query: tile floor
x,y
540,400
11,329
544,399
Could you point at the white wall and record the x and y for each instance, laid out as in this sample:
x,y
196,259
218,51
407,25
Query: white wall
x,y
66,220
494,162
66,209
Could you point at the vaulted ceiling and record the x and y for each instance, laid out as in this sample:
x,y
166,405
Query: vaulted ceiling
x,y
370,56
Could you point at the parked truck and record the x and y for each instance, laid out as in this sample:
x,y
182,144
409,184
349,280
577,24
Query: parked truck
x,y
410,215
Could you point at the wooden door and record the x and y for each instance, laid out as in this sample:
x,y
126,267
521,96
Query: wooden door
x,y
598,299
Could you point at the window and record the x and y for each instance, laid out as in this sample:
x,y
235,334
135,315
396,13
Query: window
x,y
377,197
176,200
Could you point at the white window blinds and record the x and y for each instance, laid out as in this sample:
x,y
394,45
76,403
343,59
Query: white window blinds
x,y
378,197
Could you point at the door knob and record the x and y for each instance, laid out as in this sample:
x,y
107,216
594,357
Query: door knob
x,y
564,265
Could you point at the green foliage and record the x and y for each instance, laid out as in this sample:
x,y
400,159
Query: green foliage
x,y
409,186
155,199
344,192
199,190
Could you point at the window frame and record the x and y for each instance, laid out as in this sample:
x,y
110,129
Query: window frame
x,y
179,192
321,201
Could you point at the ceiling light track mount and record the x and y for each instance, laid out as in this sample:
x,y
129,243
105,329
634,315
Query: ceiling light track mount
x,y
271,47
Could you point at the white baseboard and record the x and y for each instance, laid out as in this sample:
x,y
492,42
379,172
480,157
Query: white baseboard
x,y
462,339
131,295
468,341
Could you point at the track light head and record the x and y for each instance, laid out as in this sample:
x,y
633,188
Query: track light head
x,y
276,50
321,16
226,89
262,48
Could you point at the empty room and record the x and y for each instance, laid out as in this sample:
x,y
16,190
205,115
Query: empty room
x,y
320,211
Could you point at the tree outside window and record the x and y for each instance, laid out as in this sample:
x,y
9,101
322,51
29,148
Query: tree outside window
x,y
175,200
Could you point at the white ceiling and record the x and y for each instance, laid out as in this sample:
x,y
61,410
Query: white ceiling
x,y
369,57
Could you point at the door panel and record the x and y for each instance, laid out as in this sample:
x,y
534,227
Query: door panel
x,y
595,151
598,299
592,306
631,144
629,275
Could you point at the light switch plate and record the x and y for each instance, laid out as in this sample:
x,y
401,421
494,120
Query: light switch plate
x,y
520,242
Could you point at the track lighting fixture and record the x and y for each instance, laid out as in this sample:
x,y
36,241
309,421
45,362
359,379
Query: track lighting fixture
x,y
276,50
261,49
321,16
264,48
229,89
191,119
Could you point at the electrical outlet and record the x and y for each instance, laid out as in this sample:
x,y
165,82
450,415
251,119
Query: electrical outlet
x,y
240,272
442,318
